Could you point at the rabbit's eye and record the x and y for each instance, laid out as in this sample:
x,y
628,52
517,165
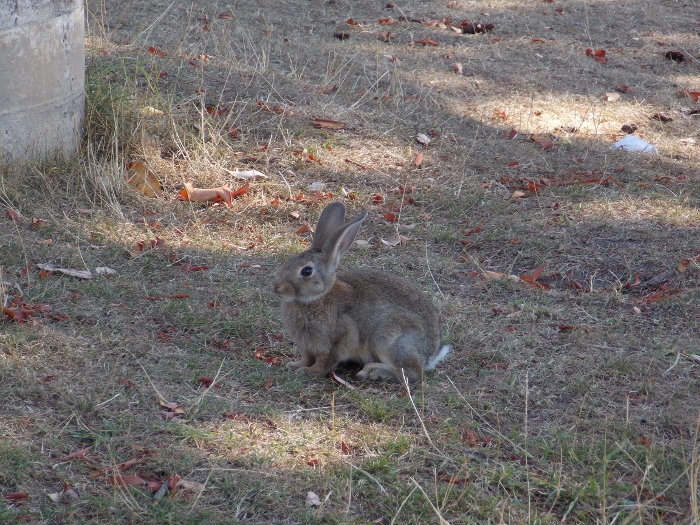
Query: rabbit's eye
x,y
306,271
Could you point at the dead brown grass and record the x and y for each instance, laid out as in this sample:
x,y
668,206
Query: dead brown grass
x,y
574,404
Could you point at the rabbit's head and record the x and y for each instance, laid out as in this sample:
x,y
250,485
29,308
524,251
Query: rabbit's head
x,y
310,275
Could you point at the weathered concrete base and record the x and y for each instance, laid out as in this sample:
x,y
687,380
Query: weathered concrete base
x,y
42,78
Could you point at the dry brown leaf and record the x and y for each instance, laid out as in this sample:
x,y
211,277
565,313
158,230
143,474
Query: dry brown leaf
x,y
78,454
80,274
190,485
684,265
15,496
542,141
12,215
143,179
324,123
418,161
395,240
126,481
612,97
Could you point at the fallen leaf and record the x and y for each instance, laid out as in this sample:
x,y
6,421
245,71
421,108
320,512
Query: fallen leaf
x,y
156,51
221,194
542,141
104,270
344,448
659,296
693,96
395,240
387,22
612,97
312,500
20,315
12,215
335,377
190,485
128,480
512,134
390,217
457,66
78,454
475,27
661,117
323,123
676,56
80,274
426,42
629,128
304,228
422,138
150,111
247,174
225,16
684,265
15,496
143,179
501,113
418,161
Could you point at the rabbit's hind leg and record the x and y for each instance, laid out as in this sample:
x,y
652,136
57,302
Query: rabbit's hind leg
x,y
377,372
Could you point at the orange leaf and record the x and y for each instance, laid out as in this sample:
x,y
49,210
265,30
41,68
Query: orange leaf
x,y
542,141
156,51
126,480
225,16
303,229
501,113
659,296
534,275
511,164
390,217
78,454
344,448
205,382
512,134
12,215
427,42
240,191
684,264
352,22
537,41
691,95
17,315
387,21
418,161
15,496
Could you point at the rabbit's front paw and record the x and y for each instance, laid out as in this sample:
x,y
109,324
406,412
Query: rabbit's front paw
x,y
295,365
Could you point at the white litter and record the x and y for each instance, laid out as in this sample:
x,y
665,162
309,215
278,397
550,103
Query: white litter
x,y
632,143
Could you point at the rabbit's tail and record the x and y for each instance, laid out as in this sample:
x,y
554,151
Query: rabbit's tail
x,y
439,356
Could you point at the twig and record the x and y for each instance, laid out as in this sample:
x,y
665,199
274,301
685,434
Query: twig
x,y
435,509
425,430
370,476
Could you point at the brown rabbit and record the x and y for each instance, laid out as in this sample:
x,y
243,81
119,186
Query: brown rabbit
x,y
368,316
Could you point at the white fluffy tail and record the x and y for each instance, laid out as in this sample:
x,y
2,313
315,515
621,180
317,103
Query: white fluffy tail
x,y
439,356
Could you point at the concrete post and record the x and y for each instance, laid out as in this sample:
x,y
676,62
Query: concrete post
x,y
42,78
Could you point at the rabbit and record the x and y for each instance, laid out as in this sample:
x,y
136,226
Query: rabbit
x,y
369,316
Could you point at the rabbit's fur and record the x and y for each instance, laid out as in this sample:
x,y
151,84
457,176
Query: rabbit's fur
x,y
368,316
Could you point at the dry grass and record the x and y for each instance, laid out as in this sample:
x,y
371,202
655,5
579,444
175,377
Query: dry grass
x,y
577,404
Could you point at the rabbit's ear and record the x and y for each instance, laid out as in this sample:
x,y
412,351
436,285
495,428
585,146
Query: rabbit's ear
x,y
340,241
332,217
